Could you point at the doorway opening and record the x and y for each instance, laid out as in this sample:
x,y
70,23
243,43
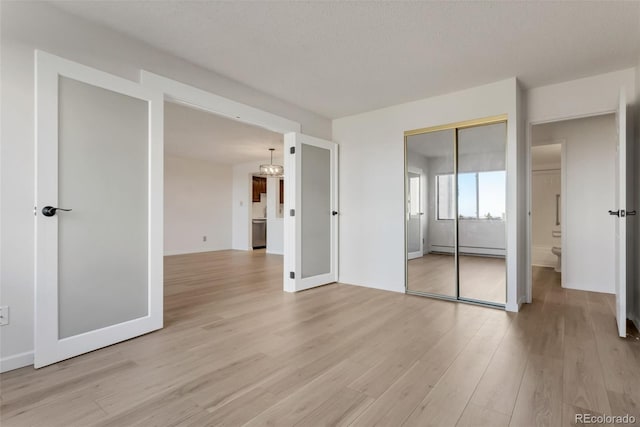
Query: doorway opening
x,y
218,203
267,212
547,219
573,185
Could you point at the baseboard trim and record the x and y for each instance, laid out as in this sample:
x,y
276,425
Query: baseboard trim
x,y
586,288
16,361
195,251
541,256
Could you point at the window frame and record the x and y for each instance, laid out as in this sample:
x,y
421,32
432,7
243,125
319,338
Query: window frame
x,y
455,195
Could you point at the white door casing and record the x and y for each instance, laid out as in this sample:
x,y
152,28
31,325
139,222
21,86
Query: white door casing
x,y
51,343
311,212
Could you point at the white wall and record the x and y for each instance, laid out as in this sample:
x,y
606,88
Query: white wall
x,y
582,97
589,233
197,203
372,203
242,209
27,26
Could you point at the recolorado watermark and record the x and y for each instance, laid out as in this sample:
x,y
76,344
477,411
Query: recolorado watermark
x,y
604,419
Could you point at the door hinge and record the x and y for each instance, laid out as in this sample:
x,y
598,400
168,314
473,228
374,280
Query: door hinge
x,y
292,212
292,150
292,275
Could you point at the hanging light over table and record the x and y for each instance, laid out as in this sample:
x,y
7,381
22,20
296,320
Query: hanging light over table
x,y
271,169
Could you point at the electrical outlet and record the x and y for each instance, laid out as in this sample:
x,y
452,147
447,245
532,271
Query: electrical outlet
x,y
4,315
204,238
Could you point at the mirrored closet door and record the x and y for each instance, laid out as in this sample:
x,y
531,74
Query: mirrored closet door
x,y
455,192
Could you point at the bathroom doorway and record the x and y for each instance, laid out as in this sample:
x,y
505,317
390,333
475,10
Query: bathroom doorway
x,y
573,182
547,179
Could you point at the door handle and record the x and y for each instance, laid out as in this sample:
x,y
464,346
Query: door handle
x,y
334,213
616,213
51,211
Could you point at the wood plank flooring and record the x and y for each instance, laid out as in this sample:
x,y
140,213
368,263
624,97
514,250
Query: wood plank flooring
x,y
236,350
481,278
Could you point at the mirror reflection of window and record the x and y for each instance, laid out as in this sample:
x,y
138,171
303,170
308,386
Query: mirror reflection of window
x,y
445,196
481,195
414,195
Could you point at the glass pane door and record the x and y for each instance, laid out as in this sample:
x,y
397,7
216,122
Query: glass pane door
x,y
102,270
315,215
311,212
98,220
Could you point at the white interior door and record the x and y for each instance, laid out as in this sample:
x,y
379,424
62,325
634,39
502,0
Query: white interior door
x,y
99,154
621,220
415,214
311,212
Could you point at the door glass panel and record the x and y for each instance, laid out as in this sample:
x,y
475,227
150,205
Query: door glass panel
x,y
481,213
103,176
433,271
315,218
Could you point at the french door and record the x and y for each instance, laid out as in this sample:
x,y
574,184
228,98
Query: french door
x,y
311,212
98,209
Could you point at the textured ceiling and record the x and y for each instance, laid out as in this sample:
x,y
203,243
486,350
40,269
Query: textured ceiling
x,y
200,135
341,58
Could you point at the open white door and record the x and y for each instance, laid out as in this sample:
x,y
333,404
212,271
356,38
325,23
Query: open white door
x,y
311,213
621,220
98,270
415,213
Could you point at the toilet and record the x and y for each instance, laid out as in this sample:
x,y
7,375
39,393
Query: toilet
x,y
557,251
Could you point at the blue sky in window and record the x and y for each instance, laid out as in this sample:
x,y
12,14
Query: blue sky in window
x,y
491,186
467,195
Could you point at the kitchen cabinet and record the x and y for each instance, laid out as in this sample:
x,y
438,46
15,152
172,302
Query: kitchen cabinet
x,y
259,186
282,191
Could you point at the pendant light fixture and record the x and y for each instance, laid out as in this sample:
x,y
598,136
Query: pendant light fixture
x,y
271,169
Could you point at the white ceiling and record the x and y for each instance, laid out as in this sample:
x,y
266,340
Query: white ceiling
x,y
341,58
200,135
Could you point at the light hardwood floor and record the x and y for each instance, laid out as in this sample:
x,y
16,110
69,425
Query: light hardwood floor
x,y
236,350
481,278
